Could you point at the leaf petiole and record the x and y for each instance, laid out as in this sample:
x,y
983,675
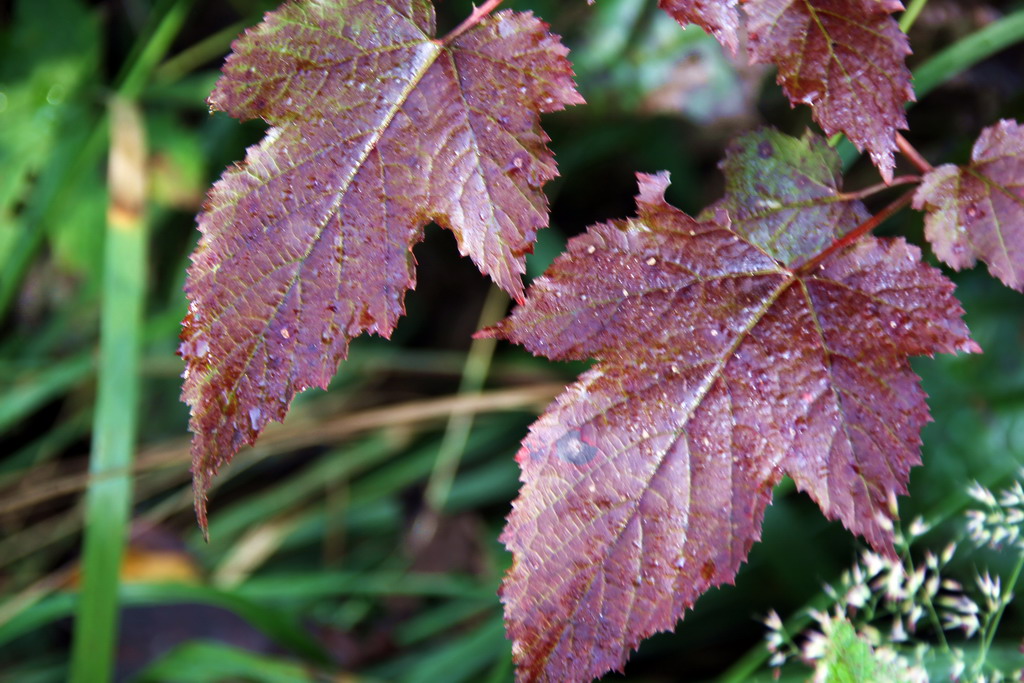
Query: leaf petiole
x,y
472,20
912,155
858,232
880,187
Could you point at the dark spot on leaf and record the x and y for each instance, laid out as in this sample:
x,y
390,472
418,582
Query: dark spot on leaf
x,y
707,570
765,150
574,450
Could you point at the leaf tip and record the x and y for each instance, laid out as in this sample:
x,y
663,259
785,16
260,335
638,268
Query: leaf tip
x,y
970,346
200,485
652,188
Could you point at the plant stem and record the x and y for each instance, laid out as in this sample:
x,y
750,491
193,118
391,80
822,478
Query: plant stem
x,y
188,60
50,201
456,433
147,55
933,615
911,14
470,21
880,187
993,626
108,499
858,232
912,154
744,668
968,51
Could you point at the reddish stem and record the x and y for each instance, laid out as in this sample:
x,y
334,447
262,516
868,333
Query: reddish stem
x,y
880,187
912,154
858,232
470,21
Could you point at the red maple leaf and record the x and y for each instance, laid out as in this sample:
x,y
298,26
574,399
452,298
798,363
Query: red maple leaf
x,y
720,18
977,211
377,129
722,364
844,58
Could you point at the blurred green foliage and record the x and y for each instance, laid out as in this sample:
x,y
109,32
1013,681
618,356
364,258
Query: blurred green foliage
x,y
314,569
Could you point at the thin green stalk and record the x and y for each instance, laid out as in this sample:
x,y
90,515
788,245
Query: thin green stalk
x,y
993,625
756,656
192,57
108,500
33,391
155,44
968,51
910,16
150,49
933,614
456,434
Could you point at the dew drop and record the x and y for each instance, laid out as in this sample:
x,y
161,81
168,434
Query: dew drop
x,y
591,249
651,261
285,333
254,417
517,163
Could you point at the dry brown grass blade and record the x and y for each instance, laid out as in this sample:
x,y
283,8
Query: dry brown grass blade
x,y
298,434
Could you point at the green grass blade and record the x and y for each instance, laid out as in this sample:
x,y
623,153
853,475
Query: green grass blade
x,y
279,625
108,499
968,51
911,14
201,662
462,659
50,199
36,388
151,49
456,433
305,586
